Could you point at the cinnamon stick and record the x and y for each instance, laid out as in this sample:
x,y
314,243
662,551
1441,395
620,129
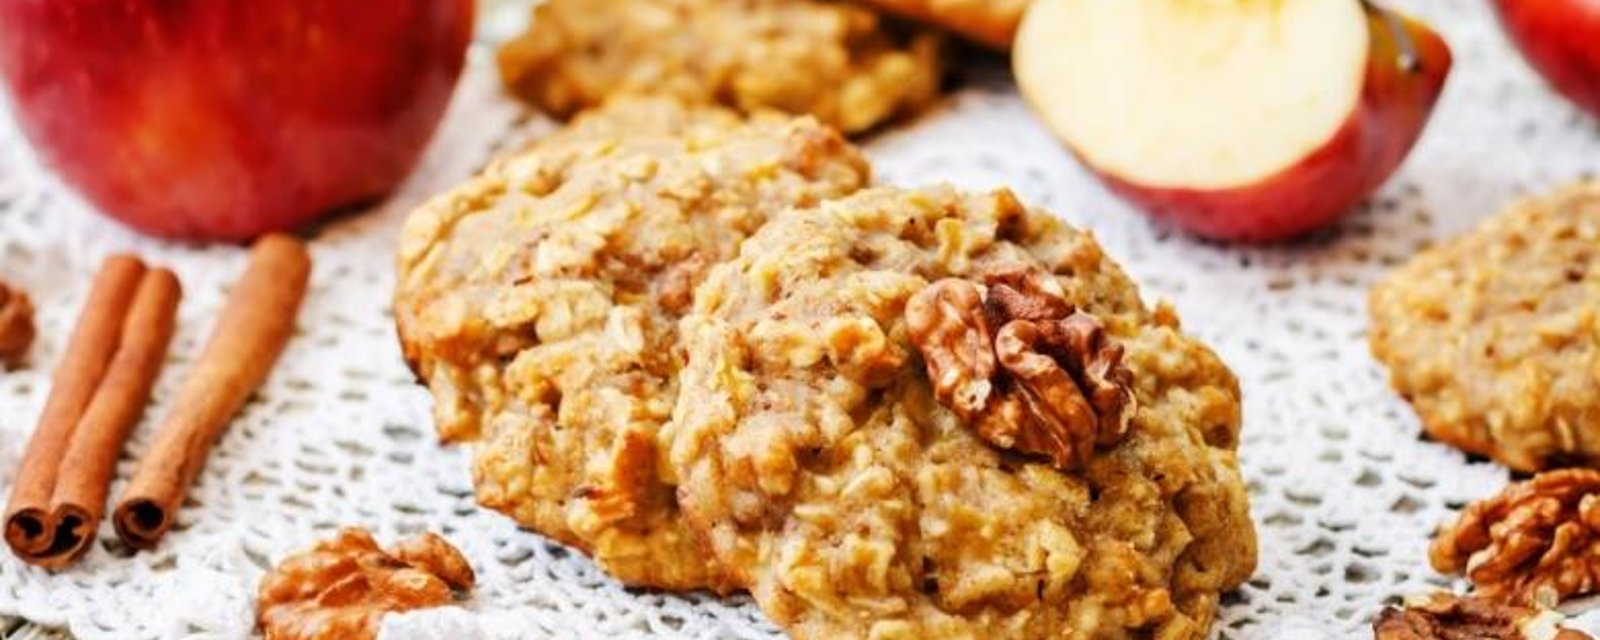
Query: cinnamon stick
x,y
91,459
256,323
29,525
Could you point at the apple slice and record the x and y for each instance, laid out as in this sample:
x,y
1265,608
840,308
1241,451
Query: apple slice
x,y
1236,119
1561,39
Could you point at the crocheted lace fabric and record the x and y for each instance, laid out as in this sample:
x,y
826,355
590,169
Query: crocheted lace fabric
x,y
1344,492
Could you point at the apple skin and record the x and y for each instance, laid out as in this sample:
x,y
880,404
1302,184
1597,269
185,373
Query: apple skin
x,y
1561,39
227,119
1395,104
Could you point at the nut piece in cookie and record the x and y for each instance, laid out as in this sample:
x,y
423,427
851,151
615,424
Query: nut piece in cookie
x,y
1447,617
341,588
16,324
1025,369
843,454
540,303
840,63
1494,336
1536,542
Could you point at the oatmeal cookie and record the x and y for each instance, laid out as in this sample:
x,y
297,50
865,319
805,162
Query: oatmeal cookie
x,y
539,303
840,63
990,22
1494,337
824,468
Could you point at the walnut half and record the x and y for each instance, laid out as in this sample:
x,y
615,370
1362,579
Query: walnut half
x,y
341,588
1536,542
1448,617
16,324
1020,365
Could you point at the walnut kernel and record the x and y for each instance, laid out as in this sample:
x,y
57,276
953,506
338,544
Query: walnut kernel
x,y
1537,541
1447,617
341,588
948,323
1022,366
16,324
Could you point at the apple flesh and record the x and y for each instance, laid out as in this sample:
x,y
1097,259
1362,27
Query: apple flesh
x,y
224,120
1561,39
1254,120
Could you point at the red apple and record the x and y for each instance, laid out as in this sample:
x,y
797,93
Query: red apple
x,y
1561,39
1235,119
226,119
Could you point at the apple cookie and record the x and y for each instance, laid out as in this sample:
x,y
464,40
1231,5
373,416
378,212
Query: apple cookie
x,y
840,63
1494,337
927,414
539,303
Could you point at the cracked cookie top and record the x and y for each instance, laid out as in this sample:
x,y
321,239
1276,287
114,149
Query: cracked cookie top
x,y
539,301
858,498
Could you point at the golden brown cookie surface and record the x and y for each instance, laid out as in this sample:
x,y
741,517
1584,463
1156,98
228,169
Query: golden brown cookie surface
x,y
1494,336
839,63
539,301
822,468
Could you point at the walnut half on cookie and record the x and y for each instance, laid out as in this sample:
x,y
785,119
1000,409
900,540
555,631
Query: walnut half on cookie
x,y
1024,368
1494,337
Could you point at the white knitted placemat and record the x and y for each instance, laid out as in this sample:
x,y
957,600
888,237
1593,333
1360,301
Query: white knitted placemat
x,y
1343,491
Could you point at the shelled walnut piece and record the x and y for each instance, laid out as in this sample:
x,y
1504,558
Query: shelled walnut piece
x,y
1447,617
16,324
341,588
1023,367
1535,541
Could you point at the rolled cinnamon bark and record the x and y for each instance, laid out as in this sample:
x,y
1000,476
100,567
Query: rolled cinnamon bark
x,y
30,526
256,323
91,458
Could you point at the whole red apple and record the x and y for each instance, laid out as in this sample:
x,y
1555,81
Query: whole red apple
x,y
1234,119
1561,39
226,119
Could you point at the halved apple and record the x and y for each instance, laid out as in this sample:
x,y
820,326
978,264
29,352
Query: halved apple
x,y
1561,39
1236,119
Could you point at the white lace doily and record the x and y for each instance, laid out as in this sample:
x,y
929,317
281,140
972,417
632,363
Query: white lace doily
x,y
1343,491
